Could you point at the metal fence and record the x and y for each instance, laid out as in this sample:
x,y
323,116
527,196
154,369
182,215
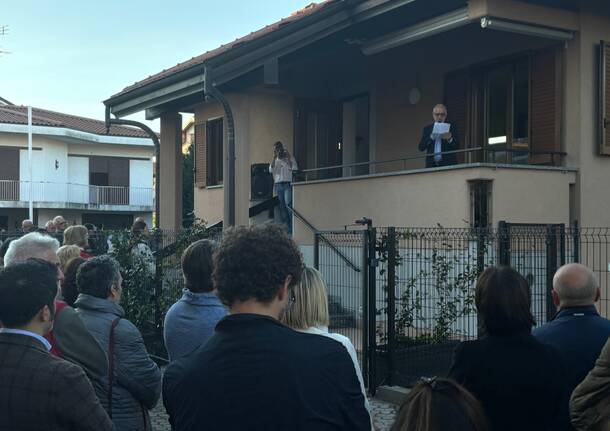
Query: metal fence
x,y
410,297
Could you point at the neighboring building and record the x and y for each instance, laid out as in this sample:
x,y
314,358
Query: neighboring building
x,y
78,170
348,87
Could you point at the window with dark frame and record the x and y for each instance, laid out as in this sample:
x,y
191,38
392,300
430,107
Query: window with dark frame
x,y
480,204
214,145
510,107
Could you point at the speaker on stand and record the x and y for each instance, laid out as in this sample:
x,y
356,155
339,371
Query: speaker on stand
x,y
261,182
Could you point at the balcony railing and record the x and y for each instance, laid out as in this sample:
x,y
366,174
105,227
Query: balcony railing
x,y
469,155
19,191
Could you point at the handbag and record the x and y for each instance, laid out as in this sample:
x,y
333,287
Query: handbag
x,y
113,325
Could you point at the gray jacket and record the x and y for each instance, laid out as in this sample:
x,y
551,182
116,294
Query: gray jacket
x,y
590,401
137,379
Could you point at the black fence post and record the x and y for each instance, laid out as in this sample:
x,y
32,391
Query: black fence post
x,y
551,268
562,244
316,250
503,243
370,299
576,241
158,240
391,309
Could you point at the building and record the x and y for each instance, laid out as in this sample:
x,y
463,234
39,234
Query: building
x,y
348,87
77,170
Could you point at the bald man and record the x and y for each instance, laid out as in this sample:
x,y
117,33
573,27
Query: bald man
x,y
435,146
578,332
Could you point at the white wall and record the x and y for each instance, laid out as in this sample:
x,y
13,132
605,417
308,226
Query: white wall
x,y
37,175
78,179
140,182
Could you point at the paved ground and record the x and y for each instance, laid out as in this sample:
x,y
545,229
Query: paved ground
x,y
383,416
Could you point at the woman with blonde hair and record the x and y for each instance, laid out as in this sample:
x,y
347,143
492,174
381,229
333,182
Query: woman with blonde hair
x,y
309,313
65,254
78,235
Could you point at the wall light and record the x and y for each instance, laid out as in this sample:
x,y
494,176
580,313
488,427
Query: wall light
x,y
527,29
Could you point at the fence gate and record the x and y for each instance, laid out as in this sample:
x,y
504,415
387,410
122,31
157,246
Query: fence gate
x,y
344,258
536,251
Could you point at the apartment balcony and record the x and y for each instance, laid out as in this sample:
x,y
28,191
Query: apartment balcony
x,y
16,194
467,194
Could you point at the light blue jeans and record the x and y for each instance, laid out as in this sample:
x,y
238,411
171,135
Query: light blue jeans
x,y
284,194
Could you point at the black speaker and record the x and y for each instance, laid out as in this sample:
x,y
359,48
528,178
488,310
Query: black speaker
x,y
261,182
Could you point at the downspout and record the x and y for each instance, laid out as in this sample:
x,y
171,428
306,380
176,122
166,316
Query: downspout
x,y
229,187
155,139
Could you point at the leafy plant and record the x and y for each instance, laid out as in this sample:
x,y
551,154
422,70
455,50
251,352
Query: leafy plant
x,y
147,293
444,283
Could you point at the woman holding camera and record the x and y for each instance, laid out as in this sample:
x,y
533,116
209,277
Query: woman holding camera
x,y
281,167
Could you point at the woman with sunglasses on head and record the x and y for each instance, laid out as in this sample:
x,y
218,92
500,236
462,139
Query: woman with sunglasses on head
x,y
308,312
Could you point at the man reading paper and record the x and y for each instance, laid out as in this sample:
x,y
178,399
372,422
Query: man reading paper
x,y
438,138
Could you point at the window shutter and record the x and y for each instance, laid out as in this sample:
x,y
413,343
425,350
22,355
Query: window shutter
x,y
604,99
546,109
456,93
200,155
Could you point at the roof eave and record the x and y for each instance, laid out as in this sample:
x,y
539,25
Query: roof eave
x,y
247,57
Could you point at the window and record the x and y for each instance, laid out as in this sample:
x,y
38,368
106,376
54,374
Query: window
x,y
480,204
507,112
108,180
214,144
511,108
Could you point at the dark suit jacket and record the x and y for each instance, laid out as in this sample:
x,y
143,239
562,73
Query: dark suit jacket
x,y
255,373
517,379
426,144
579,334
42,392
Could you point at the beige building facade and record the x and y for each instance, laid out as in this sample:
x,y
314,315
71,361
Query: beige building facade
x,y
348,88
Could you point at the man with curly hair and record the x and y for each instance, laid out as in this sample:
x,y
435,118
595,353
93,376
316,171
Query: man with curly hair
x,y
255,373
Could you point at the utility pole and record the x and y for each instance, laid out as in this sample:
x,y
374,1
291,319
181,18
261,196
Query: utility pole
x,y
3,32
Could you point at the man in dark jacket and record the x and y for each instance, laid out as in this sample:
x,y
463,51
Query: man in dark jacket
x,y
37,390
578,332
69,338
435,146
255,373
133,382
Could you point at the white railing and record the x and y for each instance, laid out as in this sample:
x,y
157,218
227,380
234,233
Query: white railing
x,y
19,191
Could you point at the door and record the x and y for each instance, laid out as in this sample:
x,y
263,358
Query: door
x,y
318,134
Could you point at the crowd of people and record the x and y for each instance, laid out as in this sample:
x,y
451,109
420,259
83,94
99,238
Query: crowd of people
x,y
250,348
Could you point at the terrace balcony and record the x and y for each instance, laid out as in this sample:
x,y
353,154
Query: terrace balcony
x,y
16,194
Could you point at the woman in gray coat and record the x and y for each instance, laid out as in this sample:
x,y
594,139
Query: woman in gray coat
x,y
135,385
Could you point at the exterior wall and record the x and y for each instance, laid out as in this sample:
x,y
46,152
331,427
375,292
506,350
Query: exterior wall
x,y
140,182
261,118
78,177
428,198
593,193
209,204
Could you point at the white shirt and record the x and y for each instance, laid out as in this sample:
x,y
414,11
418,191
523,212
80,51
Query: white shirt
x,y
40,338
282,171
323,330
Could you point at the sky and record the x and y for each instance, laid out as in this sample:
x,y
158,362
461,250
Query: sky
x,y
70,55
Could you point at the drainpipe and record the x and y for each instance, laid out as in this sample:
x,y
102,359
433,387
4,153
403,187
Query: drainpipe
x,y
229,187
155,139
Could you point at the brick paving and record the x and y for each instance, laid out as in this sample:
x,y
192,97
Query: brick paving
x,y
383,416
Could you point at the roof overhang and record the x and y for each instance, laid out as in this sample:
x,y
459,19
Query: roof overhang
x,y
71,134
245,58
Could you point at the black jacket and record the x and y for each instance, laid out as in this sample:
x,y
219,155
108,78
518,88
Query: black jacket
x,y
426,144
518,380
257,374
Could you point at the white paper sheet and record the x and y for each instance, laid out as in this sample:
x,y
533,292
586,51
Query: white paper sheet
x,y
440,128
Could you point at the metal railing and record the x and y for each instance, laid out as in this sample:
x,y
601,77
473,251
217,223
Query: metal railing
x,y
470,155
42,191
